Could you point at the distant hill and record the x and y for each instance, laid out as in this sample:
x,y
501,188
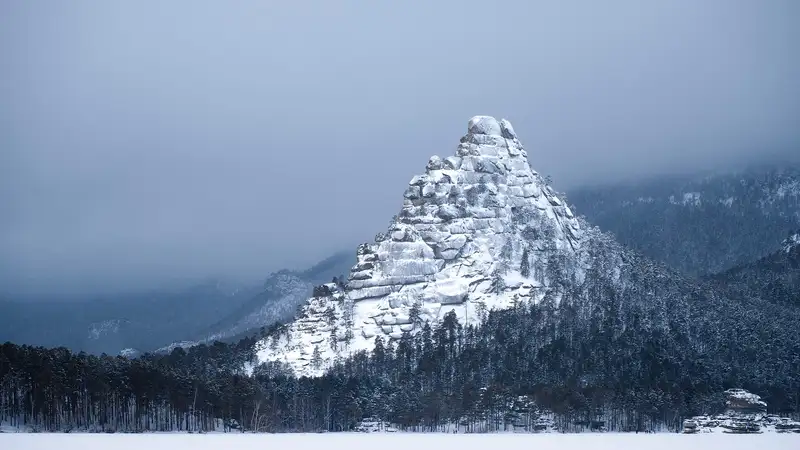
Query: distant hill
x,y
283,292
699,224
129,324
112,323
774,278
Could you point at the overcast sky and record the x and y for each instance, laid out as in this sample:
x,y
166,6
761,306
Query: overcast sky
x,y
143,142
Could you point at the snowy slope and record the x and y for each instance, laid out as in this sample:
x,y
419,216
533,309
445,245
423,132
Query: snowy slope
x,y
477,231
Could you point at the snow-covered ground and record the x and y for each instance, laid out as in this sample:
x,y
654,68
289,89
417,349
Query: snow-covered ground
x,y
396,441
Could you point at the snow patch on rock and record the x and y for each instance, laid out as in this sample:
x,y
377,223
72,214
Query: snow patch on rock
x,y
791,243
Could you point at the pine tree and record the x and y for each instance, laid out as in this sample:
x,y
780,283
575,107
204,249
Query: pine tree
x,y
415,313
334,338
498,284
525,265
330,315
482,311
379,355
316,358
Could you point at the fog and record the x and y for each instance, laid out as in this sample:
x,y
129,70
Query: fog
x,y
150,143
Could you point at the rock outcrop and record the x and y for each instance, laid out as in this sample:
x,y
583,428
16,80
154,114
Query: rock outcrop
x,y
739,401
477,231
745,413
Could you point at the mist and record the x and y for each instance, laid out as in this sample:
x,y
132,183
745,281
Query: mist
x,y
148,143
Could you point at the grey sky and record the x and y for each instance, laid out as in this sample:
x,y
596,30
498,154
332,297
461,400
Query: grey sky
x,y
147,141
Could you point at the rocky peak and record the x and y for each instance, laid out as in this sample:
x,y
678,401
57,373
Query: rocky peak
x,y
476,232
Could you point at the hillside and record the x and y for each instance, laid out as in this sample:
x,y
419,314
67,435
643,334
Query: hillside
x,y
278,301
774,278
699,224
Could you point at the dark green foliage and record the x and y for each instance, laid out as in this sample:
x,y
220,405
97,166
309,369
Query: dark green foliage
x,y
415,313
321,291
59,390
498,284
316,358
525,264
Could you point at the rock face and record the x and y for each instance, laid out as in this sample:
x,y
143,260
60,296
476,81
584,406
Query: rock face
x,y
476,232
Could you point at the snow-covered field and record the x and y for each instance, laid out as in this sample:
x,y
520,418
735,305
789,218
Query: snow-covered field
x,y
396,441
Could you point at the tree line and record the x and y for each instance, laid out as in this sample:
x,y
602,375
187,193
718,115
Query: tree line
x,y
616,363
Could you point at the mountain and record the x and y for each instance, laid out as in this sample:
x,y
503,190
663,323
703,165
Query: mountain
x,y
699,224
774,278
277,302
139,321
481,232
486,306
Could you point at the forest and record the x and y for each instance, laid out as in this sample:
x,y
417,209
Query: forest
x,y
579,365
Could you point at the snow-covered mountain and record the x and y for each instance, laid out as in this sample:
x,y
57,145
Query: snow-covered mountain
x,y
479,230
699,224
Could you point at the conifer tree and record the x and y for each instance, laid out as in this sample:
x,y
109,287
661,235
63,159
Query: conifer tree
x,y
525,264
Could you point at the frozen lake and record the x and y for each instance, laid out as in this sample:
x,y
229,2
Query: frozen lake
x,y
399,441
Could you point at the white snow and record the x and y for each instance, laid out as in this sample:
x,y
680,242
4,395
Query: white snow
x,y
787,190
100,329
745,397
791,242
790,188
396,441
688,199
129,352
484,125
